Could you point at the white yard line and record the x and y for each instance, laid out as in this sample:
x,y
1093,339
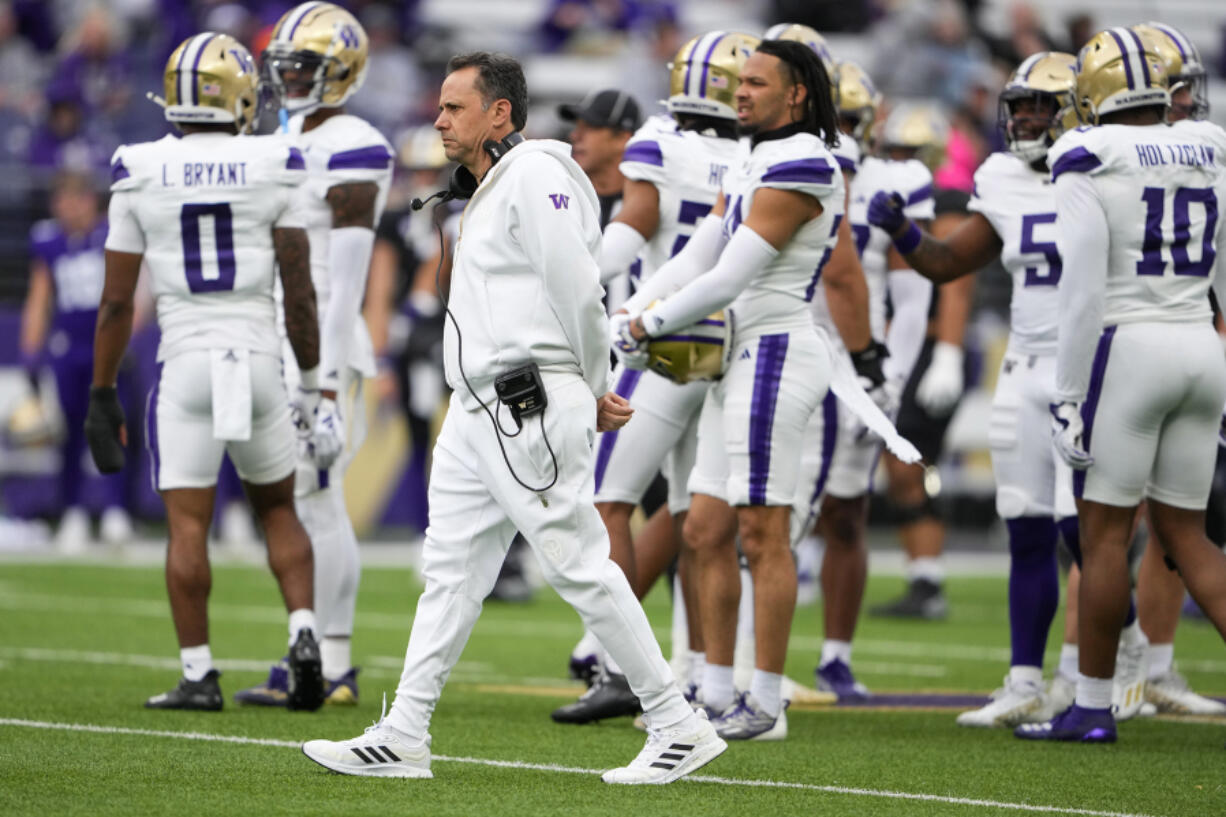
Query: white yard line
x,y
549,767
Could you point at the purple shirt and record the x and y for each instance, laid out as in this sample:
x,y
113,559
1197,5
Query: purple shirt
x,y
77,270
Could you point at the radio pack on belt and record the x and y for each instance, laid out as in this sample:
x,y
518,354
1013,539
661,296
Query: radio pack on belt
x,y
522,391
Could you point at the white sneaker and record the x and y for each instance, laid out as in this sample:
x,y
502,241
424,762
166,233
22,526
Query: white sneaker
x,y
379,752
1128,685
1015,703
671,753
1170,694
73,535
115,527
1060,694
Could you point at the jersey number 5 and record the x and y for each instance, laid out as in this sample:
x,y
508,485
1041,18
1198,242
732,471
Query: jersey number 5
x,y
1035,277
190,219
1151,262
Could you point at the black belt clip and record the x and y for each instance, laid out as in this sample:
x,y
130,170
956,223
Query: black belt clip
x,y
522,391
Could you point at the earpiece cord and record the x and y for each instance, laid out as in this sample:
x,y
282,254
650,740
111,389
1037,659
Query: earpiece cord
x,y
498,432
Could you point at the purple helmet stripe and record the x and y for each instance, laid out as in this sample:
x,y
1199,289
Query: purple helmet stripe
x,y
1175,38
706,63
1132,85
293,26
195,66
1141,56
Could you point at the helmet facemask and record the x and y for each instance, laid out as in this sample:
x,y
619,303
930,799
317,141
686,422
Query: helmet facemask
x,y
1031,121
298,78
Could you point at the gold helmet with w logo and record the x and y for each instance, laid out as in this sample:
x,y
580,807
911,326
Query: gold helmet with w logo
x,y
857,100
1117,70
1045,80
316,57
917,127
211,78
1184,68
805,36
704,74
698,352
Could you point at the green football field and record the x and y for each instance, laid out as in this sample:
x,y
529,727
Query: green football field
x,y
83,644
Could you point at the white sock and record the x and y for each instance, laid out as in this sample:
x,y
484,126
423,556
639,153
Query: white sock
x,y
610,665
1133,635
299,620
337,659
767,690
1161,659
1026,675
835,651
588,645
1070,656
197,661
930,568
717,691
698,667
1093,693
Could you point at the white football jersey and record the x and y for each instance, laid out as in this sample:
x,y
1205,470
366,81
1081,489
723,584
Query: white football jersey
x,y
847,152
778,298
913,181
687,168
201,209
343,149
1020,203
1162,188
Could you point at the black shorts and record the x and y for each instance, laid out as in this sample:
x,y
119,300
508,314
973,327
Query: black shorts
x,y
925,431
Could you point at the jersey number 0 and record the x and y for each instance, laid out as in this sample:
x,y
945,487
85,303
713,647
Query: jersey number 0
x,y
190,218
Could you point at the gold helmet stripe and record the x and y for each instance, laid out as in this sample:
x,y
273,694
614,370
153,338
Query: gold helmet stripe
x,y
705,46
286,34
1133,51
188,87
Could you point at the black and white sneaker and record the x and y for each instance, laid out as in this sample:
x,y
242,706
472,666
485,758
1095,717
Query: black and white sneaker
x,y
203,695
306,674
379,752
671,753
609,697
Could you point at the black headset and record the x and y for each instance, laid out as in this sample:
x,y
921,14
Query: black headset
x,y
463,183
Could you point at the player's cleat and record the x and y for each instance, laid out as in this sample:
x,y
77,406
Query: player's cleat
x,y
273,692
835,676
1128,685
671,753
1076,725
343,691
1060,693
306,676
609,697
745,720
380,752
1015,703
924,599
584,668
1170,694
203,695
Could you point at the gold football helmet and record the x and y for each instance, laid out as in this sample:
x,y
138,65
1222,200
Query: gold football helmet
x,y
1047,80
211,78
704,74
857,99
918,127
316,57
420,148
698,352
1117,70
1184,68
807,36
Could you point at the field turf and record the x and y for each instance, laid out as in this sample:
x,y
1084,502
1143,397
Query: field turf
x,y
83,644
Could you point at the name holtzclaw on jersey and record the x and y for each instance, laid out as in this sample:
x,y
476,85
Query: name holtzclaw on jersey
x,y
1020,204
201,210
1162,188
687,169
777,299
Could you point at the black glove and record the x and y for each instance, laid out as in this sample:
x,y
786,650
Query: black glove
x,y
868,364
103,426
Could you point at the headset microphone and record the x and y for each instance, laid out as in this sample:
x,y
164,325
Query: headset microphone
x,y
445,195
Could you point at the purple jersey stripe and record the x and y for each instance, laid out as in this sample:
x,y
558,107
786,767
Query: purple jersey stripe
x,y
118,171
811,171
919,195
846,164
1097,372
1125,57
151,427
1077,160
373,157
625,387
830,436
645,153
772,352
295,160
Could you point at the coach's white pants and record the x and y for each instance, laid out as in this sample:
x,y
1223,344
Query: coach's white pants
x,y
476,506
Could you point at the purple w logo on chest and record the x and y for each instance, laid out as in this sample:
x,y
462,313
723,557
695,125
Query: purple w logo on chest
x,y
560,201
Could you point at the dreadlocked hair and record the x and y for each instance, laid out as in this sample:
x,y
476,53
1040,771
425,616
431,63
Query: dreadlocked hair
x,y
804,68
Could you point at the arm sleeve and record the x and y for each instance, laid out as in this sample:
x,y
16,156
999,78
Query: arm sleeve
x,y
698,255
349,251
1083,240
554,242
618,249
745,256
123,233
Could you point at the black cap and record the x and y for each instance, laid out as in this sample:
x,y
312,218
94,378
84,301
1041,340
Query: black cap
x,y
605,109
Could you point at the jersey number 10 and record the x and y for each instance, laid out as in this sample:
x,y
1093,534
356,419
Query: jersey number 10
x,y
223,245
1151,262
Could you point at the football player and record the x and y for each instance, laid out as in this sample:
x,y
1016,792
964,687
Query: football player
x,y
1014,219
315,62
1137,205
209,213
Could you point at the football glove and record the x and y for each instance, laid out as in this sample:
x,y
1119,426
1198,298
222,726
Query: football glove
x,y
632,353
1067,434
104,428
327,434
885,210
939,389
